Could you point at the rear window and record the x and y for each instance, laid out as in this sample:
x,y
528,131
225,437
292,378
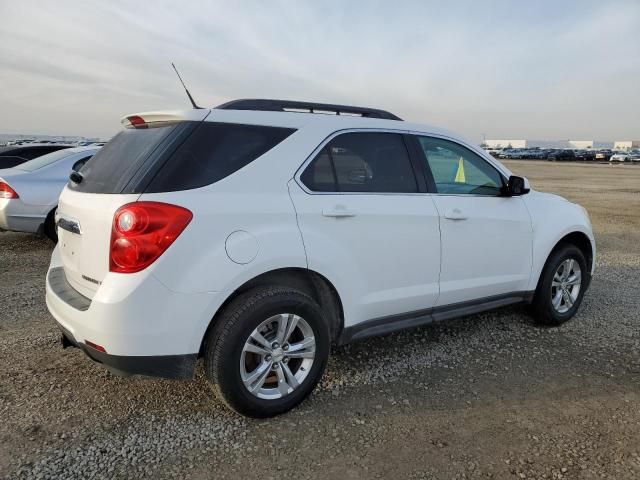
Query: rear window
x,y
215,151
8,162
44,160
31,153
118,162
175,157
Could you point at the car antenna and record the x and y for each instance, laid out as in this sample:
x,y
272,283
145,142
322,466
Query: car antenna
x,y
186,89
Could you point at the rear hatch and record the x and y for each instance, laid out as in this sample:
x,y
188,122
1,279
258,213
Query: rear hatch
x,y
156,153
84,233
115,176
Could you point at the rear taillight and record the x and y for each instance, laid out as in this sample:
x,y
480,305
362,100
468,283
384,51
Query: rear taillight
x,y
7,192
137,121
142,231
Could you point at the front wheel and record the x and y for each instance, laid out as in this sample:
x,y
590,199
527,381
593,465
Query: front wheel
x,y
562,285
267,351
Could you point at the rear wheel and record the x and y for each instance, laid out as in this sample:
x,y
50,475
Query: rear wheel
x,y
50,226
561,286
267,351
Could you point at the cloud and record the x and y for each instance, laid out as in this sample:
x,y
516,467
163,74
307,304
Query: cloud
x,y
536,70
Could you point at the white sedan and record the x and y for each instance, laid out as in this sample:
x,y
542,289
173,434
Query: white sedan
x,y
29,192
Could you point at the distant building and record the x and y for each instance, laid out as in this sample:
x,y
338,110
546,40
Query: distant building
x,y
590,144
506,143
520,143
626,144
575,144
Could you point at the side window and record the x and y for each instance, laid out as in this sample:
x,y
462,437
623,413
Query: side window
x,y
457,170
213,152
362,162
319,175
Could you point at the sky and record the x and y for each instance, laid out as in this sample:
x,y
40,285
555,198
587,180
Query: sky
x,y
504,69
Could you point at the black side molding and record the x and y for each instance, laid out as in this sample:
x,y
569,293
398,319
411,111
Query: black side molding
x,y
163,366
393,323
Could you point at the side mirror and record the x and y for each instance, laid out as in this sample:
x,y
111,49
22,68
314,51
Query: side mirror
x,y
516,186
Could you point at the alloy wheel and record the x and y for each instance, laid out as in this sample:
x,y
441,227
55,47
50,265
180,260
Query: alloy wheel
x,y
277,356
565,286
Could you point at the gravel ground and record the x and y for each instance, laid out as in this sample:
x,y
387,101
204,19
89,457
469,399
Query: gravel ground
x,y
488,396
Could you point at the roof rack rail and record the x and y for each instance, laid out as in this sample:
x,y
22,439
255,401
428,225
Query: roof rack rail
x,y
269,105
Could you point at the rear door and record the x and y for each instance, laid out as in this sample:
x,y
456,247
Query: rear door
x,y
368,226
486,237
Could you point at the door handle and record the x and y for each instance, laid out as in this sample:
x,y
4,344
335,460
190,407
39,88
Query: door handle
x,y
455,214
339,211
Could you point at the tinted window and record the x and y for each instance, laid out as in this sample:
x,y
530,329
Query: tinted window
x,y
457,170
31,153
362,162
11,161
118,161
215,151
319,176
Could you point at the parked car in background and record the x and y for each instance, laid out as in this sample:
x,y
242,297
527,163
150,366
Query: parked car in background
x,y
254,237
29,192
579,154
494,152
561,156
15,155
619,157
537,154
632,156
24,141
511,153
90,144
603,155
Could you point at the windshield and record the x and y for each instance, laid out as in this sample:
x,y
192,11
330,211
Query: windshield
x,y
44,160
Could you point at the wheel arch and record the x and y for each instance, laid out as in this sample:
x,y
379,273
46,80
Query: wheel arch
x,y
308,281
583,242
578,238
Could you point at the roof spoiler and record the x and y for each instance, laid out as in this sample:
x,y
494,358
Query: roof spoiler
x,y
159,119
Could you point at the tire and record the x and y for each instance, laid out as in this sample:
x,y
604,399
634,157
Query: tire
x,y
50,226
545,312
227,361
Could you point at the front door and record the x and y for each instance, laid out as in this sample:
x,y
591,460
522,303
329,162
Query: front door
x,y
486,237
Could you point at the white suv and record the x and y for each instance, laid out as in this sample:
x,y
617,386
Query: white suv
x,y
256,234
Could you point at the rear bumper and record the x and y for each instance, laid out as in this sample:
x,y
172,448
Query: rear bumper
x,y
165,366
17,217
144,328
